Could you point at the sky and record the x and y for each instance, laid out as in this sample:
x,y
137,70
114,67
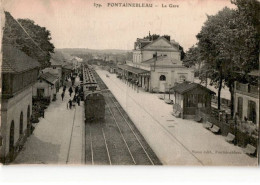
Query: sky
x,y
81,24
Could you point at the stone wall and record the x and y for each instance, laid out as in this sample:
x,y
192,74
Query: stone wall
x,y
11,111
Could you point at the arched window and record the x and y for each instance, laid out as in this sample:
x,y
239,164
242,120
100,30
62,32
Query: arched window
x,y
21,124
11,137
240,107
28,116
251,111
162,78
182,78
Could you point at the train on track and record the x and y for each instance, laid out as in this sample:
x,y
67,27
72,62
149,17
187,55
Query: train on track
x,y
92,95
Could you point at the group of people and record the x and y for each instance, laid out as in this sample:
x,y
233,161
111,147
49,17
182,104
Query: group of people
x,y
76,97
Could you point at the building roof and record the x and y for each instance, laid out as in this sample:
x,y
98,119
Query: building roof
x,y
50,78
172,43
70,67
133,69
16,61
254,73
188,86
55,62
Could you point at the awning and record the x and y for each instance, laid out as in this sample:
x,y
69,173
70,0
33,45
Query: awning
x,y
134,70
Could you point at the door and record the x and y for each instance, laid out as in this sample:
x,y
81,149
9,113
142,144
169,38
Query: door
x,y
40,93
252,111
162,83
28,121
11,141
240,107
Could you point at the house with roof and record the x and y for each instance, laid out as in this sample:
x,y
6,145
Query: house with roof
x,y
67,70
246,99
191,99
156,65
56,70
19,74
46,87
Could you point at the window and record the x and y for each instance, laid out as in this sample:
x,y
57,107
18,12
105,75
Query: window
x,y
11,137
202,99
182,78
21,124
162,78
251,111
28,116
191,100
240,107
40,92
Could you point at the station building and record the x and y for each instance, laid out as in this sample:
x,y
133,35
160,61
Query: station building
x,y
46,87
156,65
19,74
191,99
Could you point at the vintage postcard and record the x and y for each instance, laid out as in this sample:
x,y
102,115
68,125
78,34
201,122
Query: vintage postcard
x,y
130,82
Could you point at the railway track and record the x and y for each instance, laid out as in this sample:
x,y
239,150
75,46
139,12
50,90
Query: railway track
x,y
97,152
127,121
135,147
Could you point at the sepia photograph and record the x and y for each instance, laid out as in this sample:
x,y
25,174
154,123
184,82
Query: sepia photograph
x,y
130,82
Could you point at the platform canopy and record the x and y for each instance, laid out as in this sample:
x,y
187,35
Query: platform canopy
x,y
134,70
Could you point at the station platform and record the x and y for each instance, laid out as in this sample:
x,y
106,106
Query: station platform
x,y
58,138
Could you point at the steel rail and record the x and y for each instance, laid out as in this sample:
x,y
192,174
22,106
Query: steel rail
x,y
91,147
107,147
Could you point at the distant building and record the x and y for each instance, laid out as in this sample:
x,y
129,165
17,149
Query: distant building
x,y
46,87
19,74
156,65
66,71
76,61
55,70
246,99
191,99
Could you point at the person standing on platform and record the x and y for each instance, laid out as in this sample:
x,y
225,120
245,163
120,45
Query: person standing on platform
x,y
62,95
69,104
70,91
78,100
64,88
76,89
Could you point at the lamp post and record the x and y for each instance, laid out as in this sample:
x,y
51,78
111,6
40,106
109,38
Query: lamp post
x,y
169,91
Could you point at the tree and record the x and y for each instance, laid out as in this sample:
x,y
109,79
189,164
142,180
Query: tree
x,y
192,57
182,52
228,43
250,11
37,45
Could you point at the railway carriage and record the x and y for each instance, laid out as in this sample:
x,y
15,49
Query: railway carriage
x,y
94,107
93,97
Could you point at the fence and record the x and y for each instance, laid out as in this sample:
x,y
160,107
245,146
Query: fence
x,y
227,125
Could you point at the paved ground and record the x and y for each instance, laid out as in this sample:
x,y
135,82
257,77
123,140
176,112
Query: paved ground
x,y
57,138
175,141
